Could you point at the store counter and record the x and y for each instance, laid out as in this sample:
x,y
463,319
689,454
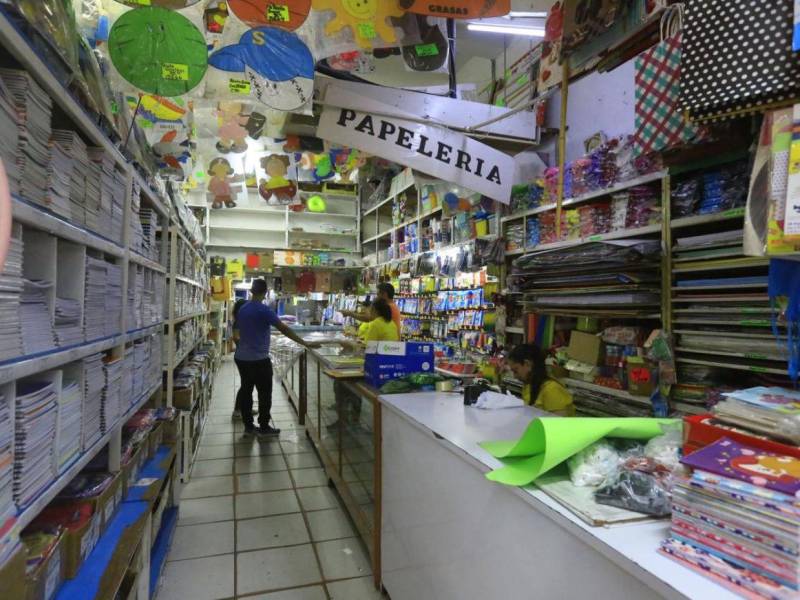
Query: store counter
x,y
448,532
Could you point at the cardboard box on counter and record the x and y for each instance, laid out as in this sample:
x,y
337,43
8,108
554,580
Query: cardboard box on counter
x,y
384,361
581,371
641,380
585,347
43,582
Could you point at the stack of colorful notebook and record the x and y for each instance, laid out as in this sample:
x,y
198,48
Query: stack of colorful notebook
x,y
737,519
767,410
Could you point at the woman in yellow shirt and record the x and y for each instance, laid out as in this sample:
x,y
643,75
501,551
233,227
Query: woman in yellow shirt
x,y
526,361
381,326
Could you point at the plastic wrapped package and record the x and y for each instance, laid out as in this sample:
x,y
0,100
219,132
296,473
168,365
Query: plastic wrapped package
x,y
54,19
533,238
666,449
619,211
643,207
551,183
86,485
685,197
595,219
515,237
638,492
595,465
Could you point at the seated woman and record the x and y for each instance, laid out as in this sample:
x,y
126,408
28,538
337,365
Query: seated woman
x,y
381,326
526,361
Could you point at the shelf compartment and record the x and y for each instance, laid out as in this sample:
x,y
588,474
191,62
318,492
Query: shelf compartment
x,y
621,394
748,355
738,366
726,215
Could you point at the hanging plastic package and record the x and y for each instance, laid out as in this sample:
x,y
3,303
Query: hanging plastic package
x,y
268,64
158,51
286,14
784,290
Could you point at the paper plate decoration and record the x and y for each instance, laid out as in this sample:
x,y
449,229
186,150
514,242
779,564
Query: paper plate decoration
x,y
158,51
286,14
367,19
221,177
316,204
278,186
278,67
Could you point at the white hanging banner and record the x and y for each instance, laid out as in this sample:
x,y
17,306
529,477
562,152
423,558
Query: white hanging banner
x,y
436,151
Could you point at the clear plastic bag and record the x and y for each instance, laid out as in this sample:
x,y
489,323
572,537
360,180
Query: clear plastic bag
x,y
595,465
666,449
637,491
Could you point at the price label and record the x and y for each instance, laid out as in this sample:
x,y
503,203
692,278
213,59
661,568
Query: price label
x,y
753,323
174,72
427,50
141,2
278,12
755,369
523,79
755,356
114,107
367,31
239,86
595,238
734,212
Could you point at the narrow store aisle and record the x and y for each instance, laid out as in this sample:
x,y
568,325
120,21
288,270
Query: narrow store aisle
x,y
258,520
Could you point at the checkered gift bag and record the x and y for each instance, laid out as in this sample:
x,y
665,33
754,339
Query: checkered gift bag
x,y
659,122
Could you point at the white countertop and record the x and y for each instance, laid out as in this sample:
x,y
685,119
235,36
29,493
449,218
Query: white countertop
x,y
631,546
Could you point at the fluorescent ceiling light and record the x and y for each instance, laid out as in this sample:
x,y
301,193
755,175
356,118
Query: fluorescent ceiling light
x,y
532,14
507,29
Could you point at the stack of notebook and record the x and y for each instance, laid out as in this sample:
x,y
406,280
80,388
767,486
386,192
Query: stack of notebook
x,y
10,292
9,140
766,410
59,179
7,509
68,322
126,382
736,519
149,225
92,201
34,439
111,195
111,401
95,299
69,422
93,382
34,109
72,143
37,325
135,296
113,300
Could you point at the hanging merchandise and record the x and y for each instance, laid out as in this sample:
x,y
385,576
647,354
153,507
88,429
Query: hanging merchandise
x,y
459,9
280,188
158,51
784,287
316,204
221,176
551,71
271,65
367,20
791,210
286,14
659,124
235,268
722,70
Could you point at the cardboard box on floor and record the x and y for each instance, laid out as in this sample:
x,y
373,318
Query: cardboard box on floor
x,y
585,347
12,575
182,398
43,582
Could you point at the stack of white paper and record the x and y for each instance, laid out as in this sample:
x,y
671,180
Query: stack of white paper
x,y
135,297
10,293
112,195
59,179
93,382
113,300
94,299
7,509
153,300
127,396
149,226
111,405
34,108
68,322
37,325
93,199
155,359
34,439
9,137
72,143
135,226
69,423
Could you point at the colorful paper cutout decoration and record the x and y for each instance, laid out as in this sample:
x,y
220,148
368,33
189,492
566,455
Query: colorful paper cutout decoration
x,y
278,66
171,4
367,19
171,154
216,16
157,109
278,186
316,204
320,165
458,9
219,185
429,54
232,127
158,51
286,14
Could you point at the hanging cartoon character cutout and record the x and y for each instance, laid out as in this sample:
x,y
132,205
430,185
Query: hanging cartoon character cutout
x,y
235,126
171,155
220,187
278,185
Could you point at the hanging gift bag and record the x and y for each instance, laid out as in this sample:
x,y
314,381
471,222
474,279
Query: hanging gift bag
x,y
659,123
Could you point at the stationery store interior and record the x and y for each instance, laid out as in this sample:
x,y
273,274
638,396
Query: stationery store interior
x,y
362,299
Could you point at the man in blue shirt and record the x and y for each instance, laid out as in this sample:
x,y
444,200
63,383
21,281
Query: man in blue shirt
x,y
252,358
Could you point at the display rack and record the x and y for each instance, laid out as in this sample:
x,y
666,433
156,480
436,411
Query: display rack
x,y
58,249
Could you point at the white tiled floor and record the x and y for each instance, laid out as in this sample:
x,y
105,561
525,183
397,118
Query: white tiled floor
x,y
258,521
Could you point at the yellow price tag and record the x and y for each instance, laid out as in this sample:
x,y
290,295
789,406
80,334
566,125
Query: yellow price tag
x,y
141,2
278,12
174,72
239,86
367,31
